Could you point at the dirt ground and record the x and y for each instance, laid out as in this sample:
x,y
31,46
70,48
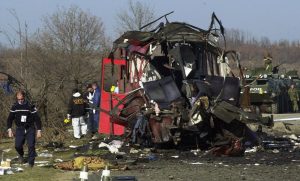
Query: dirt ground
x,y
260,166
279,164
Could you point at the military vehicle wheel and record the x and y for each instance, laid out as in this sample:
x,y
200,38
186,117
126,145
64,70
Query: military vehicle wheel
x,y
274,108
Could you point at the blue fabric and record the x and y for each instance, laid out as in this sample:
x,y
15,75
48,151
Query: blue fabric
x,y
93,122
96,121
29,135
139,129
96,98
96,104
90,120
7,88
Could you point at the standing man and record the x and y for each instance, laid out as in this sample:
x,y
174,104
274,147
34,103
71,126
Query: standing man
x,y
88,97
294,97
96,105
76,112
27,122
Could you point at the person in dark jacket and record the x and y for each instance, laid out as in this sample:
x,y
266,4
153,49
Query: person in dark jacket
x,y
77,111
27,122
96,105
88,97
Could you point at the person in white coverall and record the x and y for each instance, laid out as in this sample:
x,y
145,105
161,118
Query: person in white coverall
x,y
77,111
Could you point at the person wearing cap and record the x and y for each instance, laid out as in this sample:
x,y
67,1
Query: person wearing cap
x,y
294,97
76,112
28,127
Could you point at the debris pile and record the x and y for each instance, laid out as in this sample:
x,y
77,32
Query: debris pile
x,y
180,89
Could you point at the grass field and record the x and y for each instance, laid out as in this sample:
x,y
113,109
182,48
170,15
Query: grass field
x,y
39,173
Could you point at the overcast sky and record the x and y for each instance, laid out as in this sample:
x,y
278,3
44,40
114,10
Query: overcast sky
x,y
275,19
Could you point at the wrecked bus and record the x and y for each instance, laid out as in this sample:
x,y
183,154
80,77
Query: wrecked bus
x,y
175,84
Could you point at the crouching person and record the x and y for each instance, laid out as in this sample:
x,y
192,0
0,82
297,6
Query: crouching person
x,y
28,126
77,111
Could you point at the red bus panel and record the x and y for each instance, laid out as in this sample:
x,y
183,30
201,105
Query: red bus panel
x,y
108,100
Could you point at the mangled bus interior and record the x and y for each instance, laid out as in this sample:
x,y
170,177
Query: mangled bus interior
x,y
176,80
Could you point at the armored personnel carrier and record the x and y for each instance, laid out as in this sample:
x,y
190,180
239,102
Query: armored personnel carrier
x,y
268,90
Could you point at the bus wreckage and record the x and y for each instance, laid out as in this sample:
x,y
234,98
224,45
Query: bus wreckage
x,y
174,85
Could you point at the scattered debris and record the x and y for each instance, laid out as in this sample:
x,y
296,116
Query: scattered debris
x,y
54,145
134,151
251,150
18,169
73,146
196,152
152,157
233,149
61,149
58,160
113,146
171,177
292,137
41,162
93,163
7,150
196,163
43,165
45,155
277,143
9,172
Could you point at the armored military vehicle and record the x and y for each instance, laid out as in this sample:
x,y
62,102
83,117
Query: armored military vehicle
x,y
268,90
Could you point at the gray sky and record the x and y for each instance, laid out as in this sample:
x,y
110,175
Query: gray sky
x,y
275,19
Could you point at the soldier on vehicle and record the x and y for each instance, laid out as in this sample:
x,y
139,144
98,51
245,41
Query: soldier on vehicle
x,y
294,97
268,63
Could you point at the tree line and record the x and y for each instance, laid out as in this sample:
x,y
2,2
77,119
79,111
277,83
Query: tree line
x,y
253,50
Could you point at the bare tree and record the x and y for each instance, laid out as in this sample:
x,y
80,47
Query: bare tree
x,y
77,38
135,17
65,53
